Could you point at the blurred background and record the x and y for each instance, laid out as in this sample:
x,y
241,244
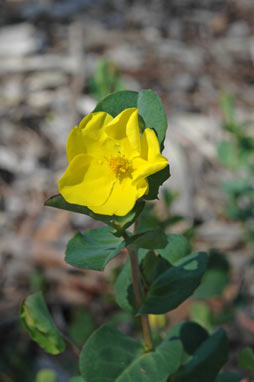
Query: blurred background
x,y
57,59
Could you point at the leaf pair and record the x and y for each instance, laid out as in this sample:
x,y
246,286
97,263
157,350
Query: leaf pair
x,y
187,354
169,277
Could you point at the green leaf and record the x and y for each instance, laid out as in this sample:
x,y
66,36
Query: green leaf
x,y
106,79
116,102
232,156
178,247
192,336
46,375
107,353
149,265
93,249
77,379
120,223
207,360
155,181
216,277
226,104
124,292
200,312
228,377
111,356
174,285
151,110
81,325
246,359
39,324
170,286
148,240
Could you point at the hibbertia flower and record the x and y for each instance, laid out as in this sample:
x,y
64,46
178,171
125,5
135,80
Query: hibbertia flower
x,y
109,162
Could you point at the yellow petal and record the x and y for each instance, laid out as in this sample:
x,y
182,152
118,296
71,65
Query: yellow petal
x,y
143,169
150,147
122,198
151,160
124,129
86,181
85,137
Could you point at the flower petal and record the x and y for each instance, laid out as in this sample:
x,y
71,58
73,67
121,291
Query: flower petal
x,y
86,181
150,148
124,128
142,169
122,198
151,160
85,137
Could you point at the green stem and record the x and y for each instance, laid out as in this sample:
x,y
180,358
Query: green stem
x,y
137,286
71,345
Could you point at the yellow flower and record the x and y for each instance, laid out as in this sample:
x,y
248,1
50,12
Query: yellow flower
x,y
109,162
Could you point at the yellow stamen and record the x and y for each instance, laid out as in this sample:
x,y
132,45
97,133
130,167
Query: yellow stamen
x,y
120,166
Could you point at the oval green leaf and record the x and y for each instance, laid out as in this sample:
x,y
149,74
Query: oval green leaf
x,y
39,324
178,247
116,102
151,110
93,249
174,285
207,360
111,356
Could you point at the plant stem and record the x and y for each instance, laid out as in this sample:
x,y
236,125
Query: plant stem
x,y
72,346
139,297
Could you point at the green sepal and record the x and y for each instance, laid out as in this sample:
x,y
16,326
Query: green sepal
x,y
39,324
93,249
155,181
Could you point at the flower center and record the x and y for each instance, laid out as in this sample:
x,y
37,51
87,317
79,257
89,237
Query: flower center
x,y
120,166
